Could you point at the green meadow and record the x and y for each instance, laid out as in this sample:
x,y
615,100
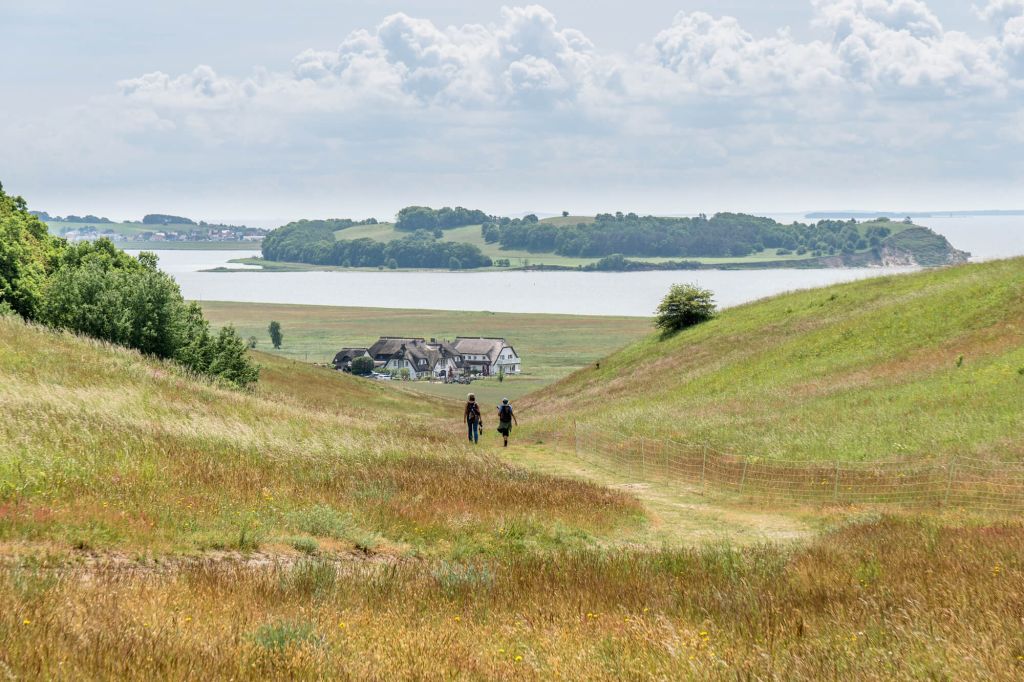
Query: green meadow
x,y
551,346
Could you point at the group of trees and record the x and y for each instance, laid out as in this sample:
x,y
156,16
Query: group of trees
x,y
412,218
164,219
96,289
314,242
723,235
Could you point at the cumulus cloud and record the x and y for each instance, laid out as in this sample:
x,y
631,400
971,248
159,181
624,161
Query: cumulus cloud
x,y
525,95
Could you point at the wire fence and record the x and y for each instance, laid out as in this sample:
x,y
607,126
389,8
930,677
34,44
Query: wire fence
x,y
953,482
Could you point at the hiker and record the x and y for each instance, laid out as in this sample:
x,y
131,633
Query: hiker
x,y
473,419
505,418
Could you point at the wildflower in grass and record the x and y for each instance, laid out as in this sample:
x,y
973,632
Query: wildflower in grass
x,y
342,625
996,569
26,622
519,658
458,619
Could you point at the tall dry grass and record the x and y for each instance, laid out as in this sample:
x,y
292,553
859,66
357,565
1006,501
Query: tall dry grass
x,y
891,598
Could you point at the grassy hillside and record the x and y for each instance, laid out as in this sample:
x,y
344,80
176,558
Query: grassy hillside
x,y
929,364
101,449
321,527
551,346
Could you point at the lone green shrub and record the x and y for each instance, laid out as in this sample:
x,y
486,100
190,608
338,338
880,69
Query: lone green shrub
x,y
684,306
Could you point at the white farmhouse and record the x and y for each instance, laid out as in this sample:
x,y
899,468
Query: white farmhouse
x,y
487,356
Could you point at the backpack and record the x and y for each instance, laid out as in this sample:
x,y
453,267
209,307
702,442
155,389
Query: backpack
x,y
505,413
473,414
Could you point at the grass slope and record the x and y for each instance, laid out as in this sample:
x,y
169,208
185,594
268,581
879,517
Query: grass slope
x,y
335,529
102,449
866,370
551,346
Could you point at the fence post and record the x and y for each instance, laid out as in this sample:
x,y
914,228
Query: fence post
x,y
835,489
743,478
703,468
949,481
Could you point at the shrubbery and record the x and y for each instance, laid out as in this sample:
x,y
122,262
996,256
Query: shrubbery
x,y
96,289
684,306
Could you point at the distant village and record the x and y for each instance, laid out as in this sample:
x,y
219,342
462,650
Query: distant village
x,y
161,228
464,358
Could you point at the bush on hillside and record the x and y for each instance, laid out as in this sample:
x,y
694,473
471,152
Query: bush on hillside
x,y
362,365
684,306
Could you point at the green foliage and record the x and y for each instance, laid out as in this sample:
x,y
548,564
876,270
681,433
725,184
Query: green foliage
x,y
101,291
412,218
392,264
723,235
362,365
310,242
251,342
164,219
229,360
27,255
684,306
454,263
276,337
929,248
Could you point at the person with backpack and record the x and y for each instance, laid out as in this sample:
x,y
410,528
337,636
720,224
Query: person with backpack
x,y
473,419
505,418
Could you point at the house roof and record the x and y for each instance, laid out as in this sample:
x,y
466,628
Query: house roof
x,y
489,347
348,354
390,345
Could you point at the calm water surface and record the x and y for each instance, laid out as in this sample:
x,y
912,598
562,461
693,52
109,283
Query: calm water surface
x,y
591,293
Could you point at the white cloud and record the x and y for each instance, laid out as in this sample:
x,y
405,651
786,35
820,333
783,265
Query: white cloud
x,y
526,100
999,12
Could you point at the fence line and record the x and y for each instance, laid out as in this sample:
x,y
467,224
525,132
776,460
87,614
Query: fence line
x,y
954,482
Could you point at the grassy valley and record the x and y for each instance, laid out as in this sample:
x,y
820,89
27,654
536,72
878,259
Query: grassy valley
x,y
301,531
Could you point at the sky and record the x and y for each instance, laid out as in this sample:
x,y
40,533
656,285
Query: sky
x,y
265,112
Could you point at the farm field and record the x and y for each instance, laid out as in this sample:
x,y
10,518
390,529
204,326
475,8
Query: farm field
x,y
552,346
914,366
